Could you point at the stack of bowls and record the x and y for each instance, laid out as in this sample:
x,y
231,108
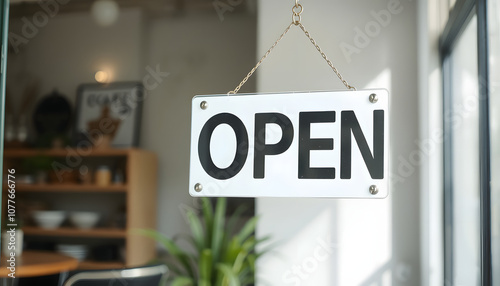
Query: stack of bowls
x,y
77,251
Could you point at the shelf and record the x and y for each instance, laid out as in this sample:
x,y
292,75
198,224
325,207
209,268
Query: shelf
x,y
111,152
69,188
137,195
96,265
75,232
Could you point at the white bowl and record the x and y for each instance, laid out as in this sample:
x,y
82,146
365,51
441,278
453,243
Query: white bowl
x,y
49,219
84,220
77,251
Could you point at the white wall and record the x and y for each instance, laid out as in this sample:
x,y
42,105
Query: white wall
x,y
70,48
203,56
346,242
430,111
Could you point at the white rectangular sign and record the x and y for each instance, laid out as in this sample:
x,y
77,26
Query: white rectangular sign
x,y
307,144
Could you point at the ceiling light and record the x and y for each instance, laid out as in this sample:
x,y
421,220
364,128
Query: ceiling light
x,y
105,12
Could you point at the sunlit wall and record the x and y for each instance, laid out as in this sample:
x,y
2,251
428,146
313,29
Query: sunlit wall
x,y
347,242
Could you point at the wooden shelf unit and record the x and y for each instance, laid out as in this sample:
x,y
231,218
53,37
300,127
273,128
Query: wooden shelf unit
x,y
75,232
63,152
69,188
140,190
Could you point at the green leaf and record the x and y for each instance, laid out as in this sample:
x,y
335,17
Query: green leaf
x,y
208,215
247,229
267,248
246,276
249,244
182,281
229,233
251,261
196,229
218,229
234,219
205,265
170,245
229,274
204,283
232,251
238,262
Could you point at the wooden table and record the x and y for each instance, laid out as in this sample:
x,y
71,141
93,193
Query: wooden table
x,y
38,263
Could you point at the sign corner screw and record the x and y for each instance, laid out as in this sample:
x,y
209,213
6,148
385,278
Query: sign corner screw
x,y
373,190
373,98
204,105
198,187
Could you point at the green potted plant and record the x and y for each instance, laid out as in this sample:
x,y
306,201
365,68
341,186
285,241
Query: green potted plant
x,y
223,254
39,166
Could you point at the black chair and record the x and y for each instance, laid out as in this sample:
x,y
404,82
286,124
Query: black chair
x,y
140,276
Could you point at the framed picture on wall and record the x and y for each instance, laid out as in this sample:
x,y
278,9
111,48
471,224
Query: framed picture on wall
x,y
118,105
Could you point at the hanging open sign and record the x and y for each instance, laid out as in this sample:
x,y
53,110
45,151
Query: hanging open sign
x,y
309,144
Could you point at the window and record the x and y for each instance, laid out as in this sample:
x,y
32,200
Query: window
x,y
467,160
464,117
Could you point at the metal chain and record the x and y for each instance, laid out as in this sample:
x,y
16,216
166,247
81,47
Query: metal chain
x,y
260,62
295,21
350,87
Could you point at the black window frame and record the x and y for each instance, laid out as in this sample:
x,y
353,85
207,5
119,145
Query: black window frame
x,y
459,17
4,25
